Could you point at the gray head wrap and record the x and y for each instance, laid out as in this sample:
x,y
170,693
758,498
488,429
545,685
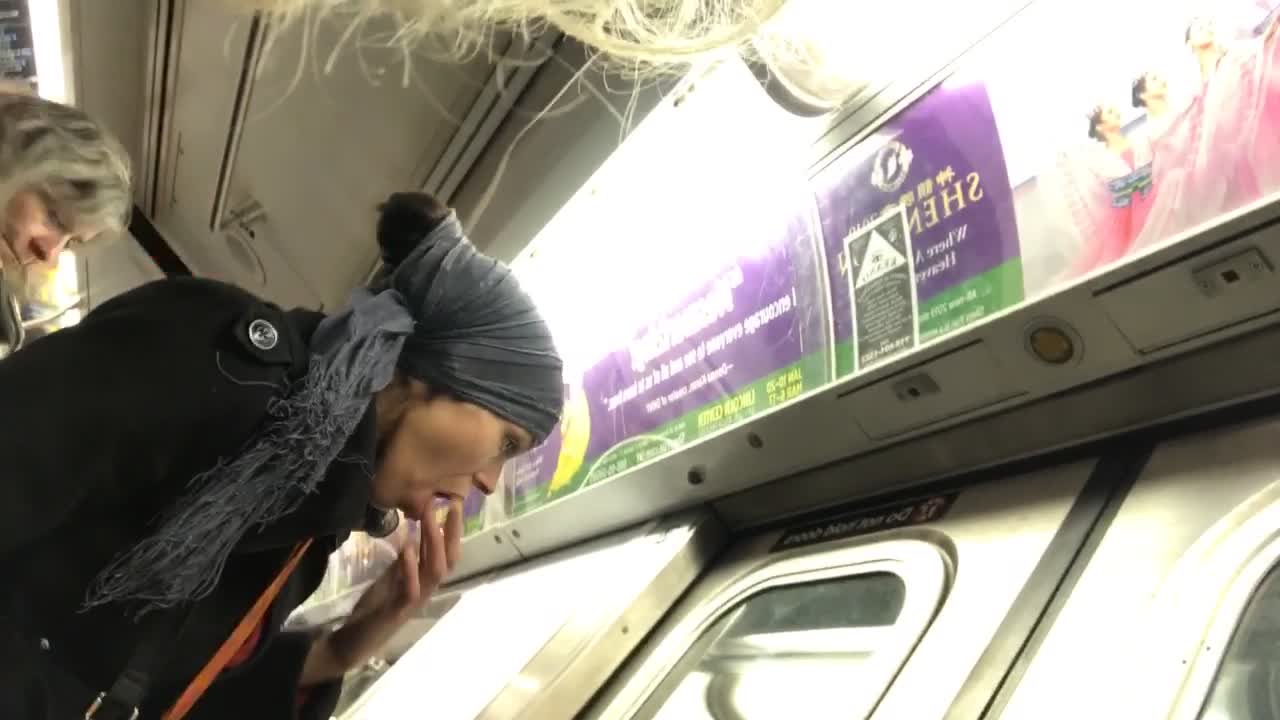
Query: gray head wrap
x,y
447,315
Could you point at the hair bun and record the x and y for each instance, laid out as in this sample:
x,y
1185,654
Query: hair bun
x,y
404,220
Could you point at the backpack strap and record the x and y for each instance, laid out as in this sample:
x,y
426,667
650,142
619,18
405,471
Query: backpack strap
x,y
251,620
156,641
157,636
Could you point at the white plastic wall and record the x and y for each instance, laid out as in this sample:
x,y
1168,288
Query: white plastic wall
x,y
482,645
116,266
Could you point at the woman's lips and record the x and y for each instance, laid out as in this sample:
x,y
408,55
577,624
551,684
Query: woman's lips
x,y
417,513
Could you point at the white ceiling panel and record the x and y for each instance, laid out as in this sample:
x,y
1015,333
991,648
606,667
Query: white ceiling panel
x,y
321,147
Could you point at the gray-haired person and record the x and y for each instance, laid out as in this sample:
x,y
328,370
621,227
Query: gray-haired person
x,y
64,178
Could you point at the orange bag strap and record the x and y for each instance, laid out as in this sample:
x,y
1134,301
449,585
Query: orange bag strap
x,y
196,689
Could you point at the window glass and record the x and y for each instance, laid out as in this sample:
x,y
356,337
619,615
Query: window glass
x,y
794,651
1248,683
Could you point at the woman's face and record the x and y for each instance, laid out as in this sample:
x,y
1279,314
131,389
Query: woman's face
x,y
1154,88
1202,33
33,233
1108,119
442,447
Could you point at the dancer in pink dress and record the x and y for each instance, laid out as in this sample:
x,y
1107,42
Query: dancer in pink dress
x,y
1222,151
1097,190
1150,93
1239,124
1169,135
1265,134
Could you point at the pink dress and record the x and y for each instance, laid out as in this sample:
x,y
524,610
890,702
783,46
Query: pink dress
x,y
1264,135
1098,193
1223,151
1173,144
1236,153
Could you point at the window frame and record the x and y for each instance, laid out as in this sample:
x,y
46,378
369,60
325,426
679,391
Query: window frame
x,y
1225,623
922,566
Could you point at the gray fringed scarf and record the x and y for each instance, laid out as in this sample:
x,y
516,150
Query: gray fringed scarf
x,y
449,316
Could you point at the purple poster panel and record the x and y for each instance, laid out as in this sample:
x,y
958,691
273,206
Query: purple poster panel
x,y
750,338
938,167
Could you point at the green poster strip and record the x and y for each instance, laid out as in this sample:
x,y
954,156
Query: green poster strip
x,y
761,396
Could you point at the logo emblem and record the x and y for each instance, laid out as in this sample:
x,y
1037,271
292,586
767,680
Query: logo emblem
x,y
892,163
263,335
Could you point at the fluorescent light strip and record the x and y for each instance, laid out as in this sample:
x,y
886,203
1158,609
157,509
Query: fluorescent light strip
x,y
46,36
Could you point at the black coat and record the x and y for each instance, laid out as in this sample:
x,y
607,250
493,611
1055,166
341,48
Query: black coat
x,y
104,424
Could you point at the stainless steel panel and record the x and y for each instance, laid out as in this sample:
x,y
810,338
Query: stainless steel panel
x,y
1182,385
1213,289
810,454
990,542
967,379
1140,614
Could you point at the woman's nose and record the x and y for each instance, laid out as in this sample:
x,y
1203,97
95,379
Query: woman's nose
x,y
486,480
48,246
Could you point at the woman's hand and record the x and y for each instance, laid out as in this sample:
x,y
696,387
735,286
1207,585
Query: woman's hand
x,y
392,599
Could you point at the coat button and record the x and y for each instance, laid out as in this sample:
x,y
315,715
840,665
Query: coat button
x,y
44,644
263,335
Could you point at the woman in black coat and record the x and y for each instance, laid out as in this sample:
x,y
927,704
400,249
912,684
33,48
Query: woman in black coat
x,y
188,453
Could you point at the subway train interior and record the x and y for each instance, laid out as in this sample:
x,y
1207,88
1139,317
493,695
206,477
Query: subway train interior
x,y
1038,476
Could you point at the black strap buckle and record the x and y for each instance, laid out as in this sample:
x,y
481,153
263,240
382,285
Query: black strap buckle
x,y
113,709
122,701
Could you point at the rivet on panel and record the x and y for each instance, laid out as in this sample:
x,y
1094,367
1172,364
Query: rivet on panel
x,y
697,475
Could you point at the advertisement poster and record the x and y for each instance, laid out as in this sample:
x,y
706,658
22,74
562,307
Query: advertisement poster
x,y
747,340
932,182
684,286
883,290
1169,122
1060,146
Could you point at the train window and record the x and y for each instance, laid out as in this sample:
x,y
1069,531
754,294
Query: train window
x,y
1247,686
789,651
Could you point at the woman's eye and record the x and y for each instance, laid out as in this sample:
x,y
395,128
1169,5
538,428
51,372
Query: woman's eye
x,y
57,222
509,447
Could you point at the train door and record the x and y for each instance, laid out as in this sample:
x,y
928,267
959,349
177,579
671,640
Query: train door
x,y
1175,613
886,612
